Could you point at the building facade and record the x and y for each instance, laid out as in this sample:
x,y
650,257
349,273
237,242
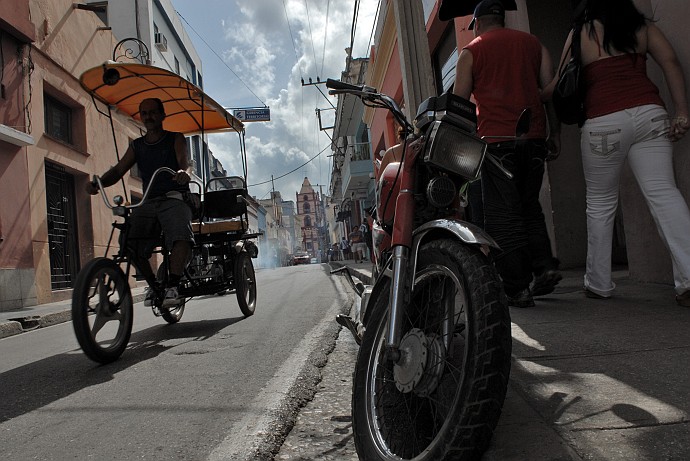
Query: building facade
x,y
352,186
51,226
563,193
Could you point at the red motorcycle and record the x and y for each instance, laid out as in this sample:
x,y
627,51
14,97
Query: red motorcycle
x,y
432,370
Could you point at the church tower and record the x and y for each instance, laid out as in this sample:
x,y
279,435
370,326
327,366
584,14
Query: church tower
x,y
310,215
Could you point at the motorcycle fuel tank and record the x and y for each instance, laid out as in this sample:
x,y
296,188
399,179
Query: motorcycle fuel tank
x,y
387,193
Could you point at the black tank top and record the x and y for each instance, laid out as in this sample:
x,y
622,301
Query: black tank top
x,y
150,157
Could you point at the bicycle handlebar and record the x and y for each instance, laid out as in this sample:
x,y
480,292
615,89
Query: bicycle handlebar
x,y
97,180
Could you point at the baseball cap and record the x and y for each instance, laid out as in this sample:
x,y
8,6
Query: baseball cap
x,y
487,7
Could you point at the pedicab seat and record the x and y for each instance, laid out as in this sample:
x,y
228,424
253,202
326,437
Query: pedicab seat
x,y
224,210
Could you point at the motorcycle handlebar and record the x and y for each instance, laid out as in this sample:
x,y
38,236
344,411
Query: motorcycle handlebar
x,y
368,93
343,86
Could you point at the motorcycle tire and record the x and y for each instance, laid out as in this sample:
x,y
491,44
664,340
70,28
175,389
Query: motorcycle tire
x,y
102,310
170,314
444,399
245,283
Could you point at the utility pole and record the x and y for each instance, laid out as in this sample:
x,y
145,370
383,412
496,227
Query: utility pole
x,y
415,56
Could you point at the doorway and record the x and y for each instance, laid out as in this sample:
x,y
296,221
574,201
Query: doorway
x,y
62,227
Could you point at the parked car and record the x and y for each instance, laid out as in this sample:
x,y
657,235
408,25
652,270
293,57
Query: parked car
x,y
301,258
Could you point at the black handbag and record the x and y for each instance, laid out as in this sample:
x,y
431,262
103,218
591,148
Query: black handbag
x,y
569,93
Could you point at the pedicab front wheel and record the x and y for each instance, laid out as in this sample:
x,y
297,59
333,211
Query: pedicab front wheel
x,y
102,310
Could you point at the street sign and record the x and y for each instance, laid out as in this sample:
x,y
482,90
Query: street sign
x,y
253,115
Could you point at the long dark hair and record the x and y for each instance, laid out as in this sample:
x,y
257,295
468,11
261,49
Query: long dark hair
x,y
621,20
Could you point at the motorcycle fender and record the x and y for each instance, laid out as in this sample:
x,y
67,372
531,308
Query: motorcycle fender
x,y
466,232
442,228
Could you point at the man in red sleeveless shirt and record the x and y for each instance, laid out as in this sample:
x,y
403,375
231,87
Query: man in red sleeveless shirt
x,y
165,204
505,70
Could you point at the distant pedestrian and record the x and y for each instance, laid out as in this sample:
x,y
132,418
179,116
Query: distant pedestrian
x,y
344,249
359,248
366,234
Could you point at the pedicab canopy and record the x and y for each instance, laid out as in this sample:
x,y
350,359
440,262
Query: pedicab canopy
x,y
188,109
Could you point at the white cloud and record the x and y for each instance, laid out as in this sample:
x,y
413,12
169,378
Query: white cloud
x,y
254,40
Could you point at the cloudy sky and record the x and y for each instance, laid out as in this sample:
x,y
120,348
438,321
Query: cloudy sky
x,y
267,47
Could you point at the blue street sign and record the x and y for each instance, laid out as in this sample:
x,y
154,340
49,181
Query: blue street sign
x,y
253,115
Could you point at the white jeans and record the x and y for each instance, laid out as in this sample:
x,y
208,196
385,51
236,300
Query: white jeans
x,y
638,135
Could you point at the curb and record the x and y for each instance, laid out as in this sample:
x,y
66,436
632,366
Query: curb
x,y
23,324
10,328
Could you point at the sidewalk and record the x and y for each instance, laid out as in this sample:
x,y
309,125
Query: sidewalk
x,y
42,315
591,379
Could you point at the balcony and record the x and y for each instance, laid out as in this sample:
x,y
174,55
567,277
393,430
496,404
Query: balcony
x,y
356,169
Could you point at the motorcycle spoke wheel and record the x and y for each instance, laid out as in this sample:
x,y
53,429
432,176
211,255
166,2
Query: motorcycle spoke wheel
x,y
427,406
102,310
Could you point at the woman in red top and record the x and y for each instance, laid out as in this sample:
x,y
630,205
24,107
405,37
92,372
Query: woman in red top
x,y
627,120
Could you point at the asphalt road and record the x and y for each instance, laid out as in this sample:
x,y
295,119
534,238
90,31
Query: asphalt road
x,y
214,386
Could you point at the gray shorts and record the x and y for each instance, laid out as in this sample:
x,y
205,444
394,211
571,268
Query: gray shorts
x,y
171,216
359,246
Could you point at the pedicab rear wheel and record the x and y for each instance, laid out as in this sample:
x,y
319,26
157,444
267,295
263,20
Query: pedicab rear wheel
x,y
102,310
245,283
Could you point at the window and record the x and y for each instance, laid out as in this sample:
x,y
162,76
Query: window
x,y
200,81
306,197
177,66
58,119
306,208
307,221
444,59
101,10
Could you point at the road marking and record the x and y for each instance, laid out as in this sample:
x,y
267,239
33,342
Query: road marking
x,y
247,433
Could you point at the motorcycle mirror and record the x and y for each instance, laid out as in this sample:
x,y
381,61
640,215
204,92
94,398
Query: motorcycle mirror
x,y
524,122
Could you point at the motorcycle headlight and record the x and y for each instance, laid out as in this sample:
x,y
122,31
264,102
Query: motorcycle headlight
x,y
454,150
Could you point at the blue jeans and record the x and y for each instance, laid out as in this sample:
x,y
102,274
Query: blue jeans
x,y
513,214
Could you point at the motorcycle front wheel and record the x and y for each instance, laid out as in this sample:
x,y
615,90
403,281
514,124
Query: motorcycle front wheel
x,y
102,311
443,398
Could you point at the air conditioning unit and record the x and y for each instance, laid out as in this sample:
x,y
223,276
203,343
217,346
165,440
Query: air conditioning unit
x,y
160,41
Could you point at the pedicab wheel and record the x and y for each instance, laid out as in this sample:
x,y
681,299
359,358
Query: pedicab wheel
x,y
102,312
169,314
245,283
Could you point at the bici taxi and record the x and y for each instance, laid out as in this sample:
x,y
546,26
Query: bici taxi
x,y
102,303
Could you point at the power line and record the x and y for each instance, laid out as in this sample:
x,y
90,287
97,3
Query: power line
x,y
325,35
354,25
311,36
292,38
373,28
221,59
291,171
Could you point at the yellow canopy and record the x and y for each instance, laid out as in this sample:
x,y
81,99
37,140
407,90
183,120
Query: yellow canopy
x,y
188,109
